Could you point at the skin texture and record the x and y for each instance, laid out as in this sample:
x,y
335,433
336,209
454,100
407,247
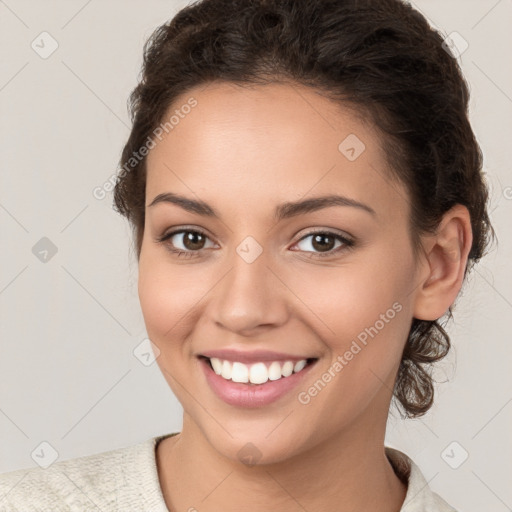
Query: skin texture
x,y
244,151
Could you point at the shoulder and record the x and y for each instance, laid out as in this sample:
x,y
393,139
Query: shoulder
x,y
419,497
114,480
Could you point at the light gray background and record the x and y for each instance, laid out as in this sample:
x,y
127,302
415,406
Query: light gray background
x,y
68,375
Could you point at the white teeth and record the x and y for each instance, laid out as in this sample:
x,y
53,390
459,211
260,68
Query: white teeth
x,y
257,373
274,371
299,365
217,365
239,373
287,369
226,369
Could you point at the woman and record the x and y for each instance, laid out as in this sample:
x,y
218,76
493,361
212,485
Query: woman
x,y
306,197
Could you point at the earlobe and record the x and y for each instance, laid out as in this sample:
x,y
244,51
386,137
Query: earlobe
x,y
445,263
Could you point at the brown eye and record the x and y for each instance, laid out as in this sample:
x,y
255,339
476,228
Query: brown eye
x,y
323,243
192,240
185,242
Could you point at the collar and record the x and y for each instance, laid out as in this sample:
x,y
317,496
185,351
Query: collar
x,y
419,497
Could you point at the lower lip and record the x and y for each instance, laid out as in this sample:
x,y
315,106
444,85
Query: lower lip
x,y
252,395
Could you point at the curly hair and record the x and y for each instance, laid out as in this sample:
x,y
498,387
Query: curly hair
x,y
380,57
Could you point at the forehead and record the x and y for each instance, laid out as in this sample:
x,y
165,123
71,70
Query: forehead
x,y
254,142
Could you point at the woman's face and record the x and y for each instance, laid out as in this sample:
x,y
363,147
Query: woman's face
x,y
254,280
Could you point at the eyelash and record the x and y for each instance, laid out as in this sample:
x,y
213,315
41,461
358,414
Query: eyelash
x,y
348,243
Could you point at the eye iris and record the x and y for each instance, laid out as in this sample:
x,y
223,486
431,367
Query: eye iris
x,y
317,239
190,240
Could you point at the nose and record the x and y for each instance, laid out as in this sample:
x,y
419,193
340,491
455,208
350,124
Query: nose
x,y
251,296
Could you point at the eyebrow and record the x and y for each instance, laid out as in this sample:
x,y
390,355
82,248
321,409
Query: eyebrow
x,y
282,211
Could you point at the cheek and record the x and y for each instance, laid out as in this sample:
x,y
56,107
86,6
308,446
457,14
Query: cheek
x,y
366,299
362,320
167,295
350,297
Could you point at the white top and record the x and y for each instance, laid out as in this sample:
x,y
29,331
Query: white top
x,y
126,480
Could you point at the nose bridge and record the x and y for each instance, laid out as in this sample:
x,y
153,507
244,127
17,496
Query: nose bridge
x,y
249,294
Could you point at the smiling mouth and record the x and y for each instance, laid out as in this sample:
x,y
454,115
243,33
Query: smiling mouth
x,y
256,373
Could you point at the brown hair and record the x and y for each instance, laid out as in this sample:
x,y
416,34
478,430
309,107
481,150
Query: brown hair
x,y
380,56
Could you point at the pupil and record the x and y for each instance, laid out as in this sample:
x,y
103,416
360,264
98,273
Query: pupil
x,y
191,240
317,240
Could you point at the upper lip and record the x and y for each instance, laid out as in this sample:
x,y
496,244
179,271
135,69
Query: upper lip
x,y
252,356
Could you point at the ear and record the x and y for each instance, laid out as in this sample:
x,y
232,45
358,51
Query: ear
x,y
442,272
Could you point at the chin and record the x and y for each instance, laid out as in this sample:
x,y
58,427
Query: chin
x,y
254,446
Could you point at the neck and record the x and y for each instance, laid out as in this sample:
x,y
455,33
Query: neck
x,y
346,472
